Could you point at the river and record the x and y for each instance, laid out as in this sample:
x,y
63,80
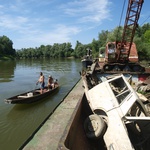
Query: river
x,y
18,122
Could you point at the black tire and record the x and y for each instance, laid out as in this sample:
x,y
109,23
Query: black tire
x,y
94,126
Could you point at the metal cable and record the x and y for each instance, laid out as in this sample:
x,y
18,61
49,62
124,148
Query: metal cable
x,y
145,20
120,19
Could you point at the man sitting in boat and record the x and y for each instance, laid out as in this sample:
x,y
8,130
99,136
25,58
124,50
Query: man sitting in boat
x,y
50,84
55,82
41,81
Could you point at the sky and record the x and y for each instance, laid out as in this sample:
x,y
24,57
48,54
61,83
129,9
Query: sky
x,y
32,23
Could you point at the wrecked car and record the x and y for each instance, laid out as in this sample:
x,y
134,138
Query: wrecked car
x,y
120,115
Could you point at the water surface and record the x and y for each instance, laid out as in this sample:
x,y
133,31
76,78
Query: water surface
x,y
18,122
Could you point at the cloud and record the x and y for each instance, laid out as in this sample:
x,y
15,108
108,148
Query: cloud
x,y
16,25
88,10
51,21
59,34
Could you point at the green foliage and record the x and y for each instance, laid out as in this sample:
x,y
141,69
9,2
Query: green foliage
x,y
102,38
115,35
142,41
57,50
6,47
147,36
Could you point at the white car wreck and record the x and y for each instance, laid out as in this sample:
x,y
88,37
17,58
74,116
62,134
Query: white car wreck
x,y
119,116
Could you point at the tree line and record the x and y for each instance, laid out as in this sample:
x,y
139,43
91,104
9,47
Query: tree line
x,y
141,39
56,51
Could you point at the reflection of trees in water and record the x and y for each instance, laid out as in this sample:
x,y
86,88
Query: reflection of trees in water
x,y
33,63
7,70
41,62
46,64
28,62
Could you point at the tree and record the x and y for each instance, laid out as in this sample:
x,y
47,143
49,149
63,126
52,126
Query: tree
x,y
102,38
115,35
6,46
95,48
147,36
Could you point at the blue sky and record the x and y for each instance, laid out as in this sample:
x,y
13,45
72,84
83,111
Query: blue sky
x,y
31,23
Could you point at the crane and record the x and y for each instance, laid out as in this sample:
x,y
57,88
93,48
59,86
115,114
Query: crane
x,y
131,23
124,51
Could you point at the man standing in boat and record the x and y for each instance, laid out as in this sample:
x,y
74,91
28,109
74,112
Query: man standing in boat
x,y
41,81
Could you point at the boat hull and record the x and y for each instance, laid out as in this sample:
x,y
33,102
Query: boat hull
x,y
25,98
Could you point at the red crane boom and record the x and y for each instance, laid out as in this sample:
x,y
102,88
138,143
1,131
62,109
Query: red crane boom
x,y
131,22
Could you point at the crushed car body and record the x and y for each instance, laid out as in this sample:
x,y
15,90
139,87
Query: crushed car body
x,y
120,115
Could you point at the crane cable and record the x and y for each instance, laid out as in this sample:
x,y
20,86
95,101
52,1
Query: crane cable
x,y
145,20
120,19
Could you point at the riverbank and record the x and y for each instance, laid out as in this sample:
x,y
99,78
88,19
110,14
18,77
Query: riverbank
x,y
51,132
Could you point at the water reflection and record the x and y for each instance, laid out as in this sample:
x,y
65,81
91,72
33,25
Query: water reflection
x,y
7,69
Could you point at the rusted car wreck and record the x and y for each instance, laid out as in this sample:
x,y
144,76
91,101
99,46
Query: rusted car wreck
x,y
121,115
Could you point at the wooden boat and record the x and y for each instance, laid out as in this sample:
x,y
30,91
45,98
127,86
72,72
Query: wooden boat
x,y
31,96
